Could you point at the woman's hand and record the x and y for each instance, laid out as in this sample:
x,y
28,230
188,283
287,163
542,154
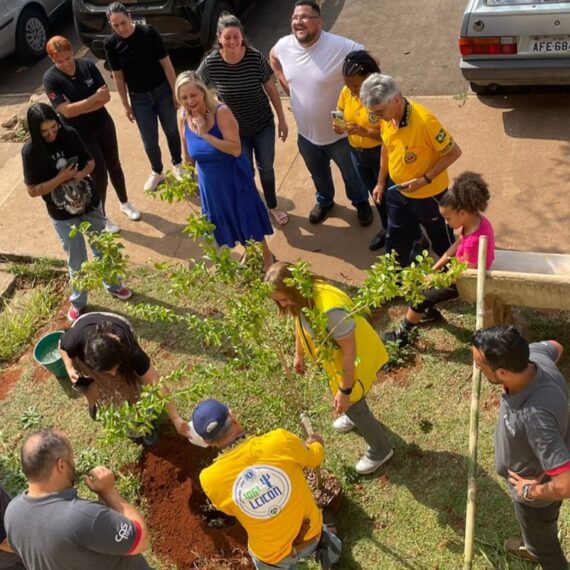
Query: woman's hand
x,y
68,173
199,124
283,129
299,363
354,129
337,128
129,113
341,402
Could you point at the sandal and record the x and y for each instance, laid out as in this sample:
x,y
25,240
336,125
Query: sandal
x,y
279,216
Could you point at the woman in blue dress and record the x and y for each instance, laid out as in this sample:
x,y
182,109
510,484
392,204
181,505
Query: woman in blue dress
x,y
210,141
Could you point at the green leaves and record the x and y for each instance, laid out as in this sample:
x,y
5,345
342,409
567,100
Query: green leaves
x,y
110,265
173,190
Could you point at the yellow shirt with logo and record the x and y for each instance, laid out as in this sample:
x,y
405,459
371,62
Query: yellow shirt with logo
x,y
414,146
261,483
355,112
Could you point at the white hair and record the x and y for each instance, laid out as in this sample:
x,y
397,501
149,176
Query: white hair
x,y
378,89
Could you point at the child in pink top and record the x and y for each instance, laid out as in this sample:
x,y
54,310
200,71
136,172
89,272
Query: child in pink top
x,y
461,208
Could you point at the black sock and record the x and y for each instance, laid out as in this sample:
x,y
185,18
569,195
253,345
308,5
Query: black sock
x,y
406,326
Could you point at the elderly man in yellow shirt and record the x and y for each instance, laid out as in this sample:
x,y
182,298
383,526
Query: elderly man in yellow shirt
x,y
416,154
260,481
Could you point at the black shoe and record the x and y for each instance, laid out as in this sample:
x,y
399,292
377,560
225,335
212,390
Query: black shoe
x,y
319,213
418,248
400,336
364,214
431,316
378,241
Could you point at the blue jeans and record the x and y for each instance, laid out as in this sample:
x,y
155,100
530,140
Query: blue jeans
x,y
318,160
148,109
367,165
76,250
404,218
290,563
262,144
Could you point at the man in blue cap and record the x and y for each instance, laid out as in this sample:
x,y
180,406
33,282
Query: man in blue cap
x,y
260,481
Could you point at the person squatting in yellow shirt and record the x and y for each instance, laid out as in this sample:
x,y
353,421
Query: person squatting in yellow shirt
x,y
260,481
416,154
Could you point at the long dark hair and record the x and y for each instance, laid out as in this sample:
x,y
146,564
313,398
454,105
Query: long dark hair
x,y
37,114
103,351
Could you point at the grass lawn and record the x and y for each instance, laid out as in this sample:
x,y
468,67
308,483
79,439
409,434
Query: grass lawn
x,y
410,515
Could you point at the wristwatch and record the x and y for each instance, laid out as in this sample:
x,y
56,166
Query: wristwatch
x,y
526,489
345,391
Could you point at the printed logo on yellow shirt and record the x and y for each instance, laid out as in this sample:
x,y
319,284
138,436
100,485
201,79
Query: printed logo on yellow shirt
x,y
373,118
410,157
440,137
261,491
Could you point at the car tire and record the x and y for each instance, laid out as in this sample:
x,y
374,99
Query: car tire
x,y
482,89
218,10
32,34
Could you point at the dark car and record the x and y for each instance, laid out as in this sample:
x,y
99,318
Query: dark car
x,y
181,23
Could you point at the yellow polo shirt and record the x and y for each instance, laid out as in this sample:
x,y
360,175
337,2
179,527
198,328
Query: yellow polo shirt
x,y
414,146
261,483
355,112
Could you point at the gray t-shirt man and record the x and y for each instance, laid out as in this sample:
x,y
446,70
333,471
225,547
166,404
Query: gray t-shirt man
x,y
533,431
62,532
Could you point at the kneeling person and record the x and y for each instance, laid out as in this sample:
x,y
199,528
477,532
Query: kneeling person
x,y
260,481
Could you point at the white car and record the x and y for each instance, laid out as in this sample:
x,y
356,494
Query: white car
x,y
515,42
24,26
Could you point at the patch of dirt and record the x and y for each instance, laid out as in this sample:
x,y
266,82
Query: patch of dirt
x,y
328,495
402,375
186,529
8,378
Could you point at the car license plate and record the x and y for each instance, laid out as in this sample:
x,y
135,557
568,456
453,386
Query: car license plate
x,y
560,44
139,20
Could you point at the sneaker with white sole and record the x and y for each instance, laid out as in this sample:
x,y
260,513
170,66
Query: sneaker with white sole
x,y
516,547
130,211
343,424
123,293
153,181
111,227
366,465
73,313
177,171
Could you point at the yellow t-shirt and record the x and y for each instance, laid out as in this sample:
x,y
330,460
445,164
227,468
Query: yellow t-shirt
x,y
261,483
414,146
355,112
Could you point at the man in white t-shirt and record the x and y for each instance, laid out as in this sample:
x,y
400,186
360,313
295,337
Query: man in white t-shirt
x,y
308,64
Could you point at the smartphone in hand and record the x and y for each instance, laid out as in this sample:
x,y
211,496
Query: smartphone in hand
x,y
338,119
71,161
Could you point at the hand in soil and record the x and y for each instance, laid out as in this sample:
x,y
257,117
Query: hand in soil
x,y
100,480
182,427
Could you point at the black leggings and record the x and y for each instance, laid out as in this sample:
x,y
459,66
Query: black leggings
x,y
435,296
104,149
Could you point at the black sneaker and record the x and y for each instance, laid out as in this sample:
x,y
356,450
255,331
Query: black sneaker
x,y
400,336
431,316
378,241
319,213
364,214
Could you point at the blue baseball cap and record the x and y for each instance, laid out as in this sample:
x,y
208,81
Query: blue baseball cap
x,y
209,418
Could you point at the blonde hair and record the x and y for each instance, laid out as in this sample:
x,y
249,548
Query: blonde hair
x,y
276,276
191,77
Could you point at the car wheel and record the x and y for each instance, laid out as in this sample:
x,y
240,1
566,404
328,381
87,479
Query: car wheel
x,y
482,89
31,35
220,8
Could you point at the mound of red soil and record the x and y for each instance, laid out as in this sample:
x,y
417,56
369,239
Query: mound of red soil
x,y
186,529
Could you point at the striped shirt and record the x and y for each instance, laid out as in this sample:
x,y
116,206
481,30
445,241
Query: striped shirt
x,y
240,87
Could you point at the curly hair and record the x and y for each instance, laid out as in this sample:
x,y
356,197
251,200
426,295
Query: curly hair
x,y
469,192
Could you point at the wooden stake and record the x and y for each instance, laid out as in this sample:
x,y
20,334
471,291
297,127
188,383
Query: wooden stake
x,y
306,421
474,418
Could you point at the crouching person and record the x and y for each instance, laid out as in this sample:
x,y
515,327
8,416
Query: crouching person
x,y
260,481
105,362
51,528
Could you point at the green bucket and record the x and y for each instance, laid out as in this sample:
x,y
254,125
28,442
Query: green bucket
x,y
46,353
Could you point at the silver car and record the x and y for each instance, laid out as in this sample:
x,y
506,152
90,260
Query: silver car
x,y
515,42
24,26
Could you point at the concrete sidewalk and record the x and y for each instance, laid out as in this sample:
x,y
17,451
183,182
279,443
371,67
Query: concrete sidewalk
x,y
521,146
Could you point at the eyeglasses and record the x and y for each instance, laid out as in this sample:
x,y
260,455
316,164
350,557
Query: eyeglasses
x,y
303,18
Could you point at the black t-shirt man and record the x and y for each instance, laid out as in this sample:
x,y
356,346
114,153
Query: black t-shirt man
x,y
8,560
62,88
138,57
72,198
75,339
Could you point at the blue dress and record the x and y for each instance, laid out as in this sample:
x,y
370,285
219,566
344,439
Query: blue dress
x,y
227,191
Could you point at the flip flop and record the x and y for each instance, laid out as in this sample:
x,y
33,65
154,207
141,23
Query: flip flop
x,y
279,216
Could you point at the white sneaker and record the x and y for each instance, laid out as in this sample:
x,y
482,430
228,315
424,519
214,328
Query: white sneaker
x,y
130,211
111,227
177,171
153,181
343,424
366,466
